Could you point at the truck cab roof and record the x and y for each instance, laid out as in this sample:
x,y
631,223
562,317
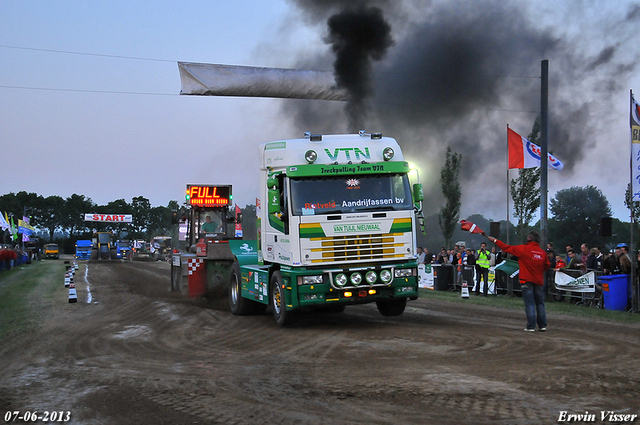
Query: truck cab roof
x,y
330,149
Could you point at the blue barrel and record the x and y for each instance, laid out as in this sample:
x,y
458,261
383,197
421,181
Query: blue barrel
x,y
614,290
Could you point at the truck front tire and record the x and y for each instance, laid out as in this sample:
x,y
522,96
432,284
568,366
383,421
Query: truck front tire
x,y
391,307
278,303
238,305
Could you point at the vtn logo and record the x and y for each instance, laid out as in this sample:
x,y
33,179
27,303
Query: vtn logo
x,y
348,152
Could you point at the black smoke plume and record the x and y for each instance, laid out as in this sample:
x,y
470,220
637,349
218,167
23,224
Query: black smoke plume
x,y
458,73
357,37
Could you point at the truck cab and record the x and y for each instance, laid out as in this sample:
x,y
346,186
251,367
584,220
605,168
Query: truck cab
x,y
337,226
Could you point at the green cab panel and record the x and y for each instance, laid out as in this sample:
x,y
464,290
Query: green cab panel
x,y
245,251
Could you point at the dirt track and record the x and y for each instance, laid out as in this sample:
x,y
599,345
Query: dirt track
x,y
138,354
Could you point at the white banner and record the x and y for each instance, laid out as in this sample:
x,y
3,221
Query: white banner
x,y
425,273
584,283
121,218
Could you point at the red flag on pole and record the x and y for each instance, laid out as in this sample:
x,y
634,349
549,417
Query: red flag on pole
x,y
470,227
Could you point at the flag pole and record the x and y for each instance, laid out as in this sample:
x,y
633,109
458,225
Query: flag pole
x,y
634,284
544,156
508,184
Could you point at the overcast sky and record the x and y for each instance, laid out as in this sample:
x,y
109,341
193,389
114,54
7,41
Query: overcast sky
x,y
91,105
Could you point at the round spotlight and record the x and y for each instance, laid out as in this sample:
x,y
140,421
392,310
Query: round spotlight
x,y
385,276
371,277
356,278
340,279
311,156
387,154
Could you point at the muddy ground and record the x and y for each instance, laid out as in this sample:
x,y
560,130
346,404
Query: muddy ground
x,y
135,353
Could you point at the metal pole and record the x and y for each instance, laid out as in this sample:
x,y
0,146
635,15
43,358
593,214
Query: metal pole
x,y
508,185
632,251
544,156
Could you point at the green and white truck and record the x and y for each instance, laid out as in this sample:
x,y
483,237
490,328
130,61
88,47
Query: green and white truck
x,y
336,220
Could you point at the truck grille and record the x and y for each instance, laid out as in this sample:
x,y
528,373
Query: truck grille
x,y
362,247
358,248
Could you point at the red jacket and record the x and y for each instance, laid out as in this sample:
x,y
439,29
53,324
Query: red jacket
x,y
532,259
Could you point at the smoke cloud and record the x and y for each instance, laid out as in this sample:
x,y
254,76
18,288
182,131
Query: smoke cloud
x,y
357,36
456,75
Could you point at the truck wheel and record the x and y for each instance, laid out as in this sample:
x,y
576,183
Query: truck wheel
x,y
393,307
94,254
114,254
278,304
238,305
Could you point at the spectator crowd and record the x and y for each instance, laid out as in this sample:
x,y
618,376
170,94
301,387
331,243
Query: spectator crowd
x,y
575,262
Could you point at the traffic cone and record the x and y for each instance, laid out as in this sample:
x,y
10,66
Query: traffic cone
x,y
465,290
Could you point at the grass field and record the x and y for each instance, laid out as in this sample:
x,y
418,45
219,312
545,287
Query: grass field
x,y
25,293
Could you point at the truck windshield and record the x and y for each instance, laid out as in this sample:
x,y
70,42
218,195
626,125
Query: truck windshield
x,y
330,195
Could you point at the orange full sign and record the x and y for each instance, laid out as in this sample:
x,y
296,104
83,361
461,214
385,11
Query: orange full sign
x,y
208,196
122,218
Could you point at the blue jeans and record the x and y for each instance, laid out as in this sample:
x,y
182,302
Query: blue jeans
x,y
533,296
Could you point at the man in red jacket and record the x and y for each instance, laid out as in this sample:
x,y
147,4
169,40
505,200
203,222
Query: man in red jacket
x,y
533,262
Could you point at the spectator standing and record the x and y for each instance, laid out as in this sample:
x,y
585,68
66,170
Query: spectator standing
x,y
584,255
533,262
599,259
609,263
482,269
552,258
421,255
443,256
592,260
574,260
624,262
428,257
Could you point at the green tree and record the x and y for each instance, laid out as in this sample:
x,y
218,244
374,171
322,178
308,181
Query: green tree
x,y
52,211
525,191
450,213
576,216
141,211
75,207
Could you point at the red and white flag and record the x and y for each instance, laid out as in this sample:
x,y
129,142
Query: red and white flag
x,y
524,154
470,227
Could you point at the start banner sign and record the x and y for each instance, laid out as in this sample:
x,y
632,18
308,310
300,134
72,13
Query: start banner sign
x,y
121,218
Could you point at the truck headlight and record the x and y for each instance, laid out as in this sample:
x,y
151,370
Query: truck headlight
x,y
403,272
312,280
356,278
387,154
340,279
371,277
385,276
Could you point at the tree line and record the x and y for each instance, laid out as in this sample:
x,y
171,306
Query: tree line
x,y
53,214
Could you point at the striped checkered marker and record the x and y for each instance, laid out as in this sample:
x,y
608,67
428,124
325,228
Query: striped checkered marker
x,y
194,263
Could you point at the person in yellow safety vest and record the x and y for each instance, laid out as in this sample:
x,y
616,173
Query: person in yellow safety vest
x,y
482,266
